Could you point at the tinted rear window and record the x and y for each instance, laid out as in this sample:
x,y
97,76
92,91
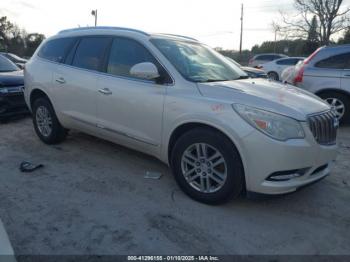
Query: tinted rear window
x,y
55,50
267,57
291,61
334,62
90,52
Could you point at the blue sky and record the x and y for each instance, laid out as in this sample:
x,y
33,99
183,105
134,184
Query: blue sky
x,y
216,23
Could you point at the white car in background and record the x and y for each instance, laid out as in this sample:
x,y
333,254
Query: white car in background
x,y
275,68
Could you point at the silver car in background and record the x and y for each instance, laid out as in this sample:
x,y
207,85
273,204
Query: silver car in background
x,y
264,58
326,73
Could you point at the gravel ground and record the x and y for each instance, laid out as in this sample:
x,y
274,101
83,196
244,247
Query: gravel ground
x,y
92,198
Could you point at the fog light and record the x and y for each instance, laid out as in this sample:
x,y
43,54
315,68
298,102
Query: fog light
x,y
287,175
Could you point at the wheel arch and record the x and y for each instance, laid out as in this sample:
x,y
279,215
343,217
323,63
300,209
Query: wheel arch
x,y
35,94
273,72
186,127
329,90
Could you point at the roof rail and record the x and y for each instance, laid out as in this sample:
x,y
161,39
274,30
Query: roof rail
x,y
186,37
101,28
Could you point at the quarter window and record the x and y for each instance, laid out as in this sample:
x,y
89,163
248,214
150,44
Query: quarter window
x,y
292,61
90,52
55,50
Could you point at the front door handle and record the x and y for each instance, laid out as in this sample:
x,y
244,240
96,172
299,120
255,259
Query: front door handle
x,y
105,91
61,80
347,75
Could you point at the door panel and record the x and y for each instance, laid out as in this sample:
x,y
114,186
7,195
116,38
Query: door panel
x,y
127,107
345,80
77,84
75,91
132,109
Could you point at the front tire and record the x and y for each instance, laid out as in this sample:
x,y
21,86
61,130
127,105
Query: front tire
x,y
340,103
46,124
207,166
273,76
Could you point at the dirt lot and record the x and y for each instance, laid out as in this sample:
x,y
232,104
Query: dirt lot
x,y
92,198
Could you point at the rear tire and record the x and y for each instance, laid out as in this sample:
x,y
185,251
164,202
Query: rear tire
x,y
203,177
338,101
273,76
46,124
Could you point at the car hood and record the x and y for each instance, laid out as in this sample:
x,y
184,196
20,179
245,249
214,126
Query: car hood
x,y
266,94
14,78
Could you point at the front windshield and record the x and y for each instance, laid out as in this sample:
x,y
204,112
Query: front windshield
x,y
198,63
6,65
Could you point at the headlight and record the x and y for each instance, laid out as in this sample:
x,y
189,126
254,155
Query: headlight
x,y
274,125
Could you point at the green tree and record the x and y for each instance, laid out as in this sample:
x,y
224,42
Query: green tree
x,y
32,42
346,37
313,39
313,35
6,28
15,40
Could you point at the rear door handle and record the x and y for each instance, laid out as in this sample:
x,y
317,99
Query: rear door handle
x,y
61,80
105,91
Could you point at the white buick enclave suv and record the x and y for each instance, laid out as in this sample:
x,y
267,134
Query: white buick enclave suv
x,y
180,101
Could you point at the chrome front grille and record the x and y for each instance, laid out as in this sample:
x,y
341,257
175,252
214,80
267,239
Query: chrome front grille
x,y
324,127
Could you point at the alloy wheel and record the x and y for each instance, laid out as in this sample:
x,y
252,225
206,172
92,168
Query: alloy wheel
x,y
337,106
43,121
204,168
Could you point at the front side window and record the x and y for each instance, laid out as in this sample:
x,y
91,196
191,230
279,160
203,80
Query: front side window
x,y
90,52
55,50
6,65
334,62
196,62
125,53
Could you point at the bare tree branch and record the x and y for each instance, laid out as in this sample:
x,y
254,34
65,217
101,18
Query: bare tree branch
x,y
330,17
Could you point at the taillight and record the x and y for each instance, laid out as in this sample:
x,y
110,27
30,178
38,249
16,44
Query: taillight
x,y
300,74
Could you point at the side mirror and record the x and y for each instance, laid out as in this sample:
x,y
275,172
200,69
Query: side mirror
x,y
145,70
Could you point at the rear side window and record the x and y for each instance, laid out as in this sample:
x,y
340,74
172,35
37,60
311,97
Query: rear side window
x,y
56,49
125,53
293,61
334,62
90,52
266,57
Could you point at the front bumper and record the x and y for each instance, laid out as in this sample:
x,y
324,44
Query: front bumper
x,y
264,156
12,104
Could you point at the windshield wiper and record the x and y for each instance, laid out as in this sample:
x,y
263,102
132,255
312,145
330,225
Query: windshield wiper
x,y
215,80
242,77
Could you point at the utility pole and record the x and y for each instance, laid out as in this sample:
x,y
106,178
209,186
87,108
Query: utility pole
x,y
94,13
241,39
276,28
